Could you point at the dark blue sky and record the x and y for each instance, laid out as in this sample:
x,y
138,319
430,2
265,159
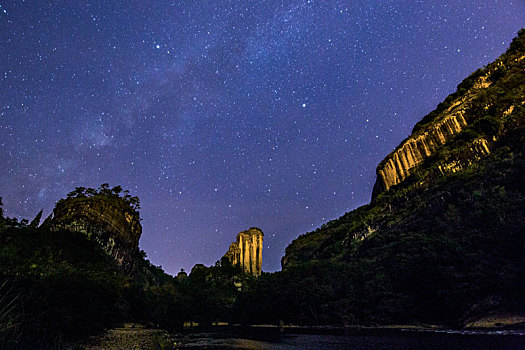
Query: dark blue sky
x,y
221,115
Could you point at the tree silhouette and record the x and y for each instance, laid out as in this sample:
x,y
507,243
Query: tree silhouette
x,y
105,190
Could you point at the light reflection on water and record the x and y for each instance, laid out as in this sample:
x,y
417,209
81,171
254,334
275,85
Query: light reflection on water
x,y
442,340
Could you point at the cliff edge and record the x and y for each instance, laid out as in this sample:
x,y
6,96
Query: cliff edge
x,y
481,105
247,251
443,240
107,219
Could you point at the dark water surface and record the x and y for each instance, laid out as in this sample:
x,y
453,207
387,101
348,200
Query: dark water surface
x,y
268,338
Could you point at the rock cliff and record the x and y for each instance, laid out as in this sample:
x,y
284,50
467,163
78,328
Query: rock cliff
x,y
482,94
108,220
469,128
247,251
443,239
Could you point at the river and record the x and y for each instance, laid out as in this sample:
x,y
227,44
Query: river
x,y
272,338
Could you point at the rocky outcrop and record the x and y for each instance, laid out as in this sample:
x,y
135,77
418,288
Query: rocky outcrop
x,y
480,95
36,221
107,220
398,165
450,232
247,251
474,152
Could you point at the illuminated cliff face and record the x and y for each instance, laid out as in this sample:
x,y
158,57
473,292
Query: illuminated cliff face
x,y
247,251
414,150
108,221
459,112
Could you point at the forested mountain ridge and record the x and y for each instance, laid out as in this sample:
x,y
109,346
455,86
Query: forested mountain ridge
x,y
496,114
81,272
479,110
443,240
441,244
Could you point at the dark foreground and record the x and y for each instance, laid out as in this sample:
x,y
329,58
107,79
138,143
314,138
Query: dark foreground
x,y
296,338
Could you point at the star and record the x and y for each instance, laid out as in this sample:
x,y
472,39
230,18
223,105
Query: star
x,y
194,108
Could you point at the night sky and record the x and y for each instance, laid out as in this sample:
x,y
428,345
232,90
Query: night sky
x,y
221,115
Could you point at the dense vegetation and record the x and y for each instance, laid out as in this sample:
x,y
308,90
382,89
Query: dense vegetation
x,y
59,287
447,253
60,282
104,190
440,247
494,71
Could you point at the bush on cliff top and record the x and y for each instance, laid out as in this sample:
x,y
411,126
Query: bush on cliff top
x,y
106,191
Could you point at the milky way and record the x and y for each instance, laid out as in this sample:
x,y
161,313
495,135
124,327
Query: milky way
x,y
221,115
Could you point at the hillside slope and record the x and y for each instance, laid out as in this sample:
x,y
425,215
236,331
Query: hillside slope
x,y
443,239
479,110
58,286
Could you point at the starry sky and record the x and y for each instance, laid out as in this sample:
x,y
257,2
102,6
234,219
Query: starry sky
x,y
221,115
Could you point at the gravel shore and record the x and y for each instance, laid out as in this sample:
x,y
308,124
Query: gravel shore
x,y
131,336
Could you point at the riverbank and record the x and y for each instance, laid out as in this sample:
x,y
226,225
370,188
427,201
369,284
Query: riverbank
x,y
272,331
134,336
131,336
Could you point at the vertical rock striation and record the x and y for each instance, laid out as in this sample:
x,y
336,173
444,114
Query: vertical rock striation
x,y
399,164
107,220
247,251
484,93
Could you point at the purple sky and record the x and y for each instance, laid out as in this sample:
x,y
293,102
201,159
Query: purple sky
x,y
221,115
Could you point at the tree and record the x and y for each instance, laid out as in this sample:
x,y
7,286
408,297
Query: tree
x,y
79,192
134,202
2,220
104,190
117,190
36,221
